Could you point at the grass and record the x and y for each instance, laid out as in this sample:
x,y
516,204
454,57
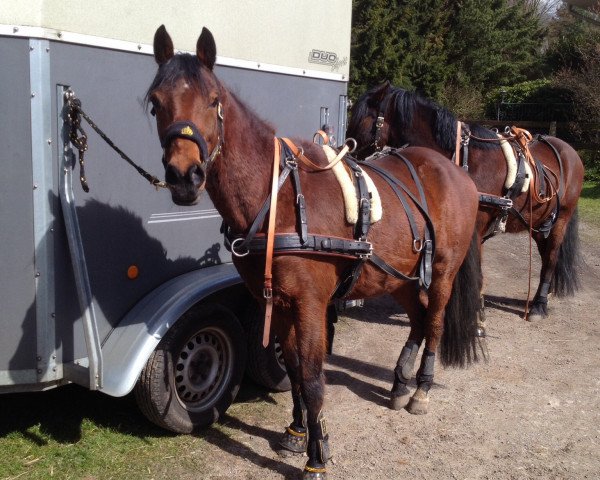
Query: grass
x,y
72,433
589,203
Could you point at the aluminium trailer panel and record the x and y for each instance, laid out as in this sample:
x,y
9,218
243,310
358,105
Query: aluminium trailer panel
x,y
123,221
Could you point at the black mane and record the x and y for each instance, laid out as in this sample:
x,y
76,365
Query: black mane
x,y
407,103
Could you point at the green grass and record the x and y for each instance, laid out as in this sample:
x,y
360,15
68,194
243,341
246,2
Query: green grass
x,y
589,203
72,433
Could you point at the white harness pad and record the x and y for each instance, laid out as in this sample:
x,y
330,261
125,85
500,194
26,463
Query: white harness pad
x,y
511,163
349,192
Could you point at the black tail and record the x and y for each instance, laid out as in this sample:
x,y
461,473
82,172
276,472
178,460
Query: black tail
x,y
459,341
565,281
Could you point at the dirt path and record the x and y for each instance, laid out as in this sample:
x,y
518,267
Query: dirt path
x,y
533,411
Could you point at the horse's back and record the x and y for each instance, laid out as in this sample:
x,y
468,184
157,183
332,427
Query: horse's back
x,y
451,196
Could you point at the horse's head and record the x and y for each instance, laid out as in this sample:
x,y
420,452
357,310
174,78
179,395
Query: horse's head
x,y
369,121
185,98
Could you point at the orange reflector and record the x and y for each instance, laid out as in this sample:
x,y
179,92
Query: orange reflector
x,y
133,272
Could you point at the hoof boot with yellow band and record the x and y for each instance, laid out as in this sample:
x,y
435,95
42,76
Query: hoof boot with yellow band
x,y
293,441
314,473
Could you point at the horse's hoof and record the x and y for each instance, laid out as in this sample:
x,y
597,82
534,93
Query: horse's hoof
x,y
292,442
398,402
535,317
311,473
418,404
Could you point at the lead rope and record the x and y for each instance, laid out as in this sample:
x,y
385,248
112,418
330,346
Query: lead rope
x,y
74,114
268,283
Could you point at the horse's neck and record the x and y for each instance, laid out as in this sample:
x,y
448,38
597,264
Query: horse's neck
x,y
421,133
239,180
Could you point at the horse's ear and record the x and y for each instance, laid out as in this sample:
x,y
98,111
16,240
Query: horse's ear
x,y
206,49
163,46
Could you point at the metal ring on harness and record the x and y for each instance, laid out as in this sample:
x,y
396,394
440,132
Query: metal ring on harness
x,y
233,245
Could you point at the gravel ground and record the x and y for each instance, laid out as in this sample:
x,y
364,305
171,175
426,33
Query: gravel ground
x,y
532,411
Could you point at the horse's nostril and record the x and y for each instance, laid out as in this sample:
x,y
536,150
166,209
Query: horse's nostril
x,y
196,175
172,175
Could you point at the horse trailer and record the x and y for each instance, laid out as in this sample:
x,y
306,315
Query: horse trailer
x,y
118,289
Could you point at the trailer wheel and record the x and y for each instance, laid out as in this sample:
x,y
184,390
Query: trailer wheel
x,y
265,365
195,372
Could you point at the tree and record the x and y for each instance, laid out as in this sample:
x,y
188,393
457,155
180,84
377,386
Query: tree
x,y
448,50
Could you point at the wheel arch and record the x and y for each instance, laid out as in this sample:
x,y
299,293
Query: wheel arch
x,y
129,345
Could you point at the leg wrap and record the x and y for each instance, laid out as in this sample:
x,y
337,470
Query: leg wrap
x,y
425,373
298,413
406,362
318,444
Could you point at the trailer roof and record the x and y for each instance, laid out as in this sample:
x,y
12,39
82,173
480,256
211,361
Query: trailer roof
x,y
310,37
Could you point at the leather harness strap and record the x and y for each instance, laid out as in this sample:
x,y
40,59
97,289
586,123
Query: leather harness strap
x,y
458,142
268,284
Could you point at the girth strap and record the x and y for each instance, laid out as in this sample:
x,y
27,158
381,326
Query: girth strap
x,y
426,245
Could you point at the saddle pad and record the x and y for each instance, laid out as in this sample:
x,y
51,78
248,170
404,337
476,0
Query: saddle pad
x,y
511,163
349,192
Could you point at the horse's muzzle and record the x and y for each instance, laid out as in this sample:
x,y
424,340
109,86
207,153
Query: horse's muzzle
x,y
185,187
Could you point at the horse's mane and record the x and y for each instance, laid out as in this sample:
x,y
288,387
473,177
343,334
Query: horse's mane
x,y
443,122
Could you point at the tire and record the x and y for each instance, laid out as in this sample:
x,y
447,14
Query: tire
x,y
195,372
265,366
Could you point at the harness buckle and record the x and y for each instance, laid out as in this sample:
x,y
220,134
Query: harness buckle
x,y
379,122
366,256
418,245
267,293
233,246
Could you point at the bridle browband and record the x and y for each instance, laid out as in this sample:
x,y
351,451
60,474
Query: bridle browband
x,y
188,130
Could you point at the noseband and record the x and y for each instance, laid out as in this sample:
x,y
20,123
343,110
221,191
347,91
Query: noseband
x,y
187,130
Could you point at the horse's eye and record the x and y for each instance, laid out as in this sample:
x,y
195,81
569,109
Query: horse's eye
x,y
156,106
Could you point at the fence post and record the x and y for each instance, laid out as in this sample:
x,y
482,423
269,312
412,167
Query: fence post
x,y
552,130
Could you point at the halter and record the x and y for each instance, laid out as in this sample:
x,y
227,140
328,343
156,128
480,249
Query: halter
x,y
188,130
378,125
380,120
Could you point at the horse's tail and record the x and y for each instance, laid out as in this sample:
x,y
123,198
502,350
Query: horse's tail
x,y
459,342
565,281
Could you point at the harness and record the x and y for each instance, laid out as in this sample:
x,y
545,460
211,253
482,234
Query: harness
x,y
540,184
287,158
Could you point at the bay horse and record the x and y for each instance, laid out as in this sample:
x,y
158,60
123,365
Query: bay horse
x,y
212,140
387,115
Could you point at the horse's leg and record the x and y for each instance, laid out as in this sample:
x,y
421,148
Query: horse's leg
x,y
400,394
295,437
439,293
311,335
549,249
